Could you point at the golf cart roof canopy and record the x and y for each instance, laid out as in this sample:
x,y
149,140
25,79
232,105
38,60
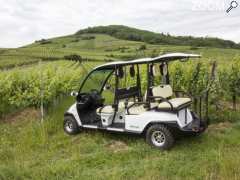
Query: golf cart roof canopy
x,y
162,58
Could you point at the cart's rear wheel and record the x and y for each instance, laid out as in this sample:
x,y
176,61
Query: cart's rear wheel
x,y
159,136
70,125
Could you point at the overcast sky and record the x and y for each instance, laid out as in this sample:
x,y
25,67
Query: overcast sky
x,y
23,21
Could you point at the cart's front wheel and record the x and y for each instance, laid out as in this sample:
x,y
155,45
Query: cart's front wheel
x,y
160,137
70,125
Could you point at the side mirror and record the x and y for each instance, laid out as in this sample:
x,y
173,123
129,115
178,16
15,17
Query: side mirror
x,y
107,87
74,93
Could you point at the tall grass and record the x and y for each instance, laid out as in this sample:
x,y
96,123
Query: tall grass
x,y
34,150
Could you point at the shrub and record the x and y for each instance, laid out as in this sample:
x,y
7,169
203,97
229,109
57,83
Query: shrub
x,y
44,41
73,57
142,47
194,48
88,37
75,40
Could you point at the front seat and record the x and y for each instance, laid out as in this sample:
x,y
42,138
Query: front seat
x,y
108,109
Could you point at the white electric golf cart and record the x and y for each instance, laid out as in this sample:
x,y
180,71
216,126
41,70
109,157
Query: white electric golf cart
x,y
134,96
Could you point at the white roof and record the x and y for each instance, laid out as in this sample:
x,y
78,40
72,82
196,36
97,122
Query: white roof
x,y
162,58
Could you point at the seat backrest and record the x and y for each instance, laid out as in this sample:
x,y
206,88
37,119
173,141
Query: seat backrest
x,y
130,92
164,91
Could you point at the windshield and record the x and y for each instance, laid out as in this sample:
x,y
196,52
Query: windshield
x,y
95,80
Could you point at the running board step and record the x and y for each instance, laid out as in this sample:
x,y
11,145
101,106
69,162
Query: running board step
x,y
103,128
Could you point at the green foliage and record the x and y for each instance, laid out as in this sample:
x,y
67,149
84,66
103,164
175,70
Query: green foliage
x,y
142,47
154,53
194,48
44,41
234,78
87,37
21,88
75,40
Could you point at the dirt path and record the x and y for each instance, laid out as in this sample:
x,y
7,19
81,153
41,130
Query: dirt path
x,y
28,113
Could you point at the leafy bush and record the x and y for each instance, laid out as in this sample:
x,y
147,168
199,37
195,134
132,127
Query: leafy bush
x,y
88,37
73,57
44,41
75,40
194,48
142,47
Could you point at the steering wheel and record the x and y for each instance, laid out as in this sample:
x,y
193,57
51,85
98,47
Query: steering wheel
x,y
91,99
96,98
85,98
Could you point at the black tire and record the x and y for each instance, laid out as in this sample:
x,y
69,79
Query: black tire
x,y
70,125
159,136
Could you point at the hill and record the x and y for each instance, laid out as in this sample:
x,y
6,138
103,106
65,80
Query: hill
x,y
100,47
115,42
133,34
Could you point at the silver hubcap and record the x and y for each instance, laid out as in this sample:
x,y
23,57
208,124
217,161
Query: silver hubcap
x,y
69,126
158,138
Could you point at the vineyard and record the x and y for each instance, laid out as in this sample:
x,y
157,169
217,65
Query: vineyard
x,y
43,73
45,82
222,84
24,87
25,82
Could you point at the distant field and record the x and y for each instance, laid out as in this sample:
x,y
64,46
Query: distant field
x,y
103,47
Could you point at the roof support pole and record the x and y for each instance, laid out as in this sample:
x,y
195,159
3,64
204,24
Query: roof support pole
x,y
148,85
139,84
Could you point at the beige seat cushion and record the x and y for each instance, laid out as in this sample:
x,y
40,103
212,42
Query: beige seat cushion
x,y
176,102
137,109
106,109
153,105
109,109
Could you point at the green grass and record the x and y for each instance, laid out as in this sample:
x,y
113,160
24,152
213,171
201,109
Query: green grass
x,y
31,150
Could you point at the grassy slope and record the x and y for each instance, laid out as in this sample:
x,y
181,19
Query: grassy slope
x,y
104,47
30,150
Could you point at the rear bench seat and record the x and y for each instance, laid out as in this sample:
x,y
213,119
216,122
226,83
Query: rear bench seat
x,y
165,91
